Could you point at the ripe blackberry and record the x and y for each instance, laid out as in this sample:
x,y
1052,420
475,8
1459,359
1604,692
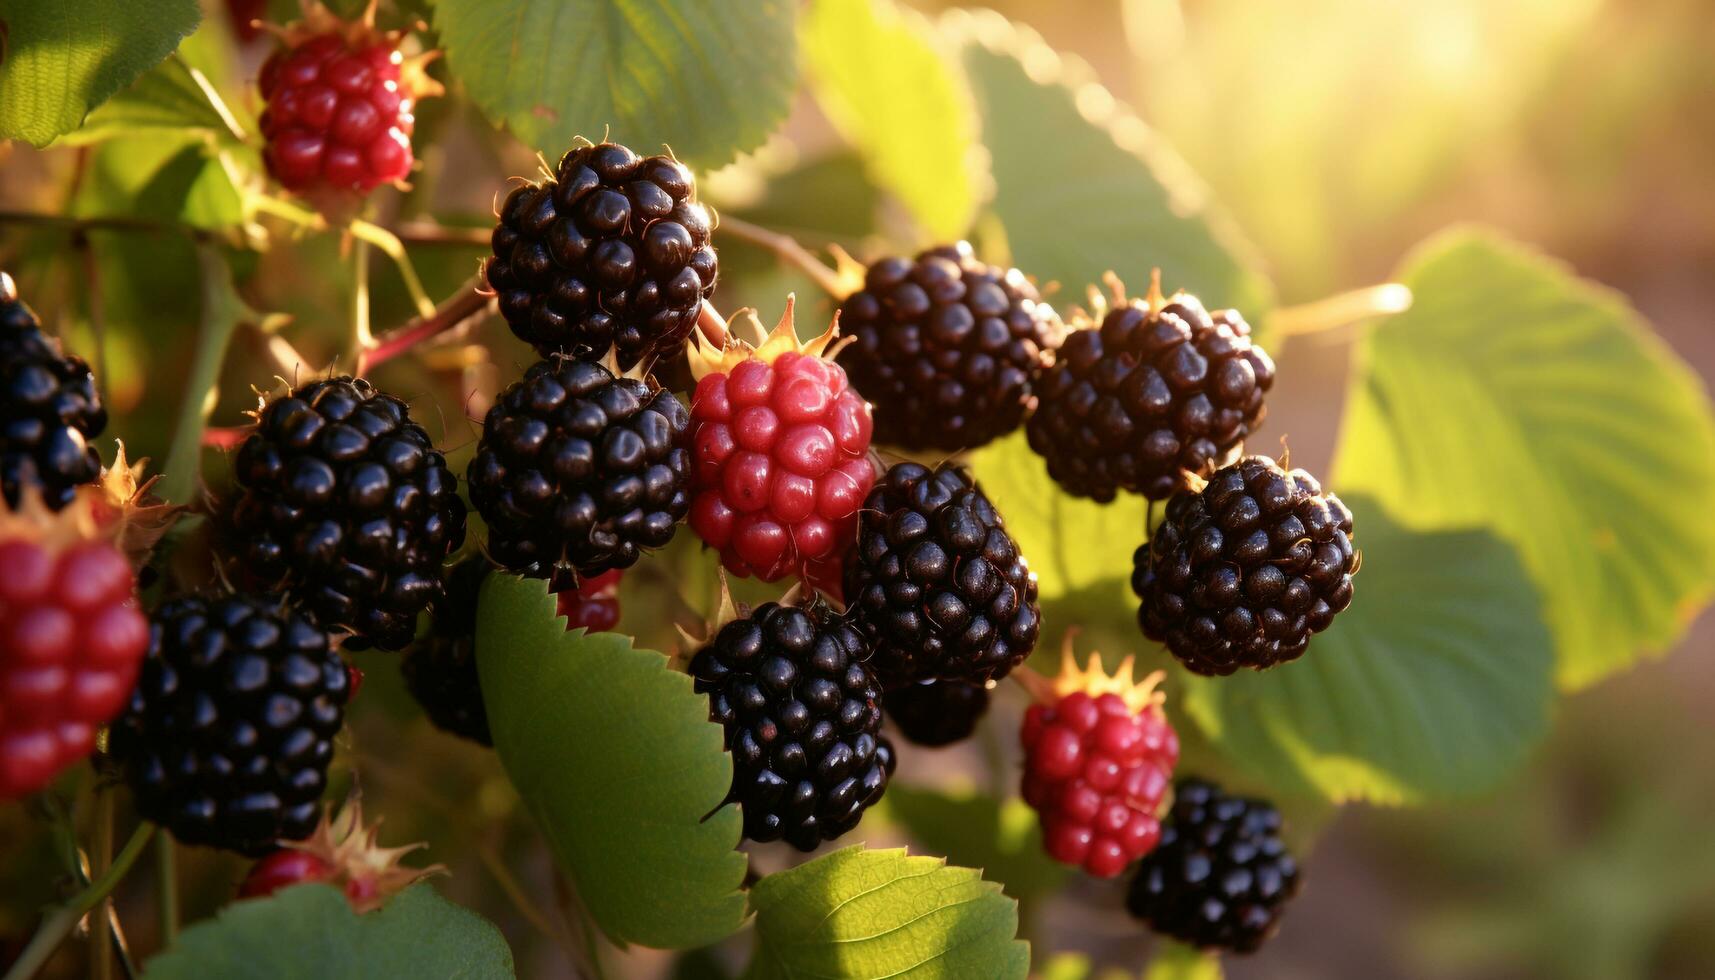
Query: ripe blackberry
x,y
1221,875
230,731
947,348
49,409
1162,391
346,503
1243,571
440,667
802,715
612,251
936,713
1099,754
780,447
339,109
580,470
71,640
936,583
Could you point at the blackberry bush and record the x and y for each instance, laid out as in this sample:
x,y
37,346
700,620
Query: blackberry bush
x,y
49,409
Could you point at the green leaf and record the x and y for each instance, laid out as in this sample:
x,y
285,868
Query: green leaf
x,y
1084,186
63,59
1004,839
1516,397
168,97
309,932
1177,961
711,80
883,78
1433,684
862,913
614,755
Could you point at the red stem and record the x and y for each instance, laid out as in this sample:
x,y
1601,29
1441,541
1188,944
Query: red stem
x,y
224,438
464,304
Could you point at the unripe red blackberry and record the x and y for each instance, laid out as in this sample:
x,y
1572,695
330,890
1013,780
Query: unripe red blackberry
x,y
593,605
580,471
71,640
339,109
612,251
1242,571
802,716
343,852
936,713
1099,756
936,583
49,409
1162,391
230,730
946,347
344,501
780,455
1221,876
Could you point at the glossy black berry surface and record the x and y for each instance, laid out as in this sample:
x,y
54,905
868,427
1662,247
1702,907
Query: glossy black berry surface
x,y
49,409
440,666
230,730
935,713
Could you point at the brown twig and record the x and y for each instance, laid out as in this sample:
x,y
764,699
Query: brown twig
x,y
434,233
789,251
465,305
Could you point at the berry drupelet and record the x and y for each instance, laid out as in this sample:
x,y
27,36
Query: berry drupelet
x,y
230,730
947,348
579,470
1221,876
1243,571
344,501
1161,391
802,716
936,583
612,251
49,409
936,713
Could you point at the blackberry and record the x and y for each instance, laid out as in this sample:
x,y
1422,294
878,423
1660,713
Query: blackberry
x,y
49,409
802,715
230,730
1163,390
936,583
947,348
1221,875
440,667
611,251
1243,571
936,713
345,502
578,469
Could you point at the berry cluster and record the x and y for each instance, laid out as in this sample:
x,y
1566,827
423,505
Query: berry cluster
x,y
49,410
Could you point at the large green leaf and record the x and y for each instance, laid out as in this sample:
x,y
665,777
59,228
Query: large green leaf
x,y
709,79
881,75
1084,186
1516,397
168,97
614,755
862,913
64,58
1434,683
309,932
1003,838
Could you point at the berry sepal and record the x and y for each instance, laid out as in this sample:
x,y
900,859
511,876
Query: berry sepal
x,y
708,358
342,851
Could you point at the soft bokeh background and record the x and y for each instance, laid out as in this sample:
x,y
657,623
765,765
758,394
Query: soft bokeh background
x,y
1337,134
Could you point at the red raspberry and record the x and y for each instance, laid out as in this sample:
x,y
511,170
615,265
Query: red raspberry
x,y
71,640
341,852
594,604
780,455
340,99
1099,758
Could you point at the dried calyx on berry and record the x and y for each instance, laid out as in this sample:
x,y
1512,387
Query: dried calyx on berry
x,y
1099,756
1246,568
340,99
947,348
580,469
343,852
780,453
71,637
1161,391
49,409
122,502
611,250
936,713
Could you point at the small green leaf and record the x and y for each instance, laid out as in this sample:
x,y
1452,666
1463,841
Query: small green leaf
x,y
614,755
1084,186
1004,839
862,913
1516,397
1433,684
309,932
883,79
1177,961
711,80
63,59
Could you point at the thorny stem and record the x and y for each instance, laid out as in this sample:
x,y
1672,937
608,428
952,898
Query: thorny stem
x,y
167,873
1341,310
361,338
58,923
466,304
101,856
789,251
